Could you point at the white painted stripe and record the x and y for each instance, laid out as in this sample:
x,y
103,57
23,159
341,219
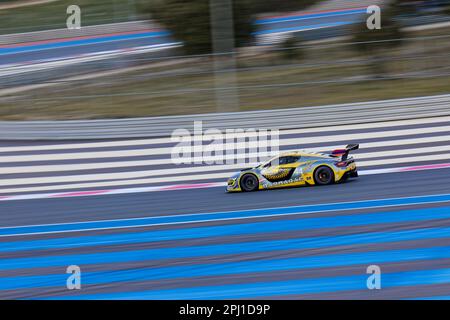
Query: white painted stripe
x,y
110,192
140,142
200,169
167,150
366,163
265,37
428,26
184,187
24,68
190,178
122,175
392,153
167,161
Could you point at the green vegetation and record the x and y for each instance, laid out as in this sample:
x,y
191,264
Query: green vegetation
x,y
377,44
189,21
184,17
293,50
142,105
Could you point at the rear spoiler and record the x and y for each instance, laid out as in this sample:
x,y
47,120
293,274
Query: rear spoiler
x,y
343,153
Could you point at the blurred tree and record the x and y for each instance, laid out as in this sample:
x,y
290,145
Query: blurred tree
x,y
378,43
277,5
446,9
189,21
291,49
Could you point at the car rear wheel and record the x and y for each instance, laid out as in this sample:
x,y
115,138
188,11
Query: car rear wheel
x,y
249,182
323,176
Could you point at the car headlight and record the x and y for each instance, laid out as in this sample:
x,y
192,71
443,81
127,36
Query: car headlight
x,y
231,182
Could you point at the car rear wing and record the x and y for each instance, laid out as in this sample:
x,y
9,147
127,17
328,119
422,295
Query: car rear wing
x,y
343,153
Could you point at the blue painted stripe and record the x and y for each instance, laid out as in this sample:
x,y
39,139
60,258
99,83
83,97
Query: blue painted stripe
x,y
82,42
309,16
433,298
218,216
306,286
303,28
400,279
280,288
227,268
231,230
225,249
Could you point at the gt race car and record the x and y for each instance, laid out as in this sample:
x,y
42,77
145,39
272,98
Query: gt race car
x,y
296,169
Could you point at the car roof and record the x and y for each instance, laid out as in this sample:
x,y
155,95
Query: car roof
x,y
304,153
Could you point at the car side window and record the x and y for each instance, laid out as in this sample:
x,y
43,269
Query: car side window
x,y
281,161
284,160
289,159
295,159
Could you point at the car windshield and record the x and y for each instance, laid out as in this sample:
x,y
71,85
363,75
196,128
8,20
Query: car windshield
x,y
267,163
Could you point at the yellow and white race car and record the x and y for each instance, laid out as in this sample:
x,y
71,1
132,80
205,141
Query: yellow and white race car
x,y
296,169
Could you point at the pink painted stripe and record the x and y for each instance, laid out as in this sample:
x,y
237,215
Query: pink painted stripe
x,y
190,186
427,167
302,13
79,193
24,44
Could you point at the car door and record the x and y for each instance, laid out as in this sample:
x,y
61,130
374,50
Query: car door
x,y
280,169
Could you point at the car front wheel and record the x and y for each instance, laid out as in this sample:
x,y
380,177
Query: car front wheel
x,y
249,182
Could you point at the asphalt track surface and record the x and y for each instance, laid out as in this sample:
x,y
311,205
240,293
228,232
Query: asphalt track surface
x,y
298,243
318,251
76,47
46,211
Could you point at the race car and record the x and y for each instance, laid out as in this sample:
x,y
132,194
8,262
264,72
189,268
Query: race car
x,y
295,169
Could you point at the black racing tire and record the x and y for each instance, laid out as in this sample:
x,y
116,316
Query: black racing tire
x,y
249,182
323,176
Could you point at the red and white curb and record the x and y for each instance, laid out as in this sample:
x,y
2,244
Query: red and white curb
x,y
193,186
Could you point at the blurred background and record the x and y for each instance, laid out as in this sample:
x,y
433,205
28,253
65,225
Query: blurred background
x,y
136,58
108,196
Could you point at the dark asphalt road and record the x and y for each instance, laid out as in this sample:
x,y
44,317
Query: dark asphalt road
x,y
381,186
293,252
315,256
